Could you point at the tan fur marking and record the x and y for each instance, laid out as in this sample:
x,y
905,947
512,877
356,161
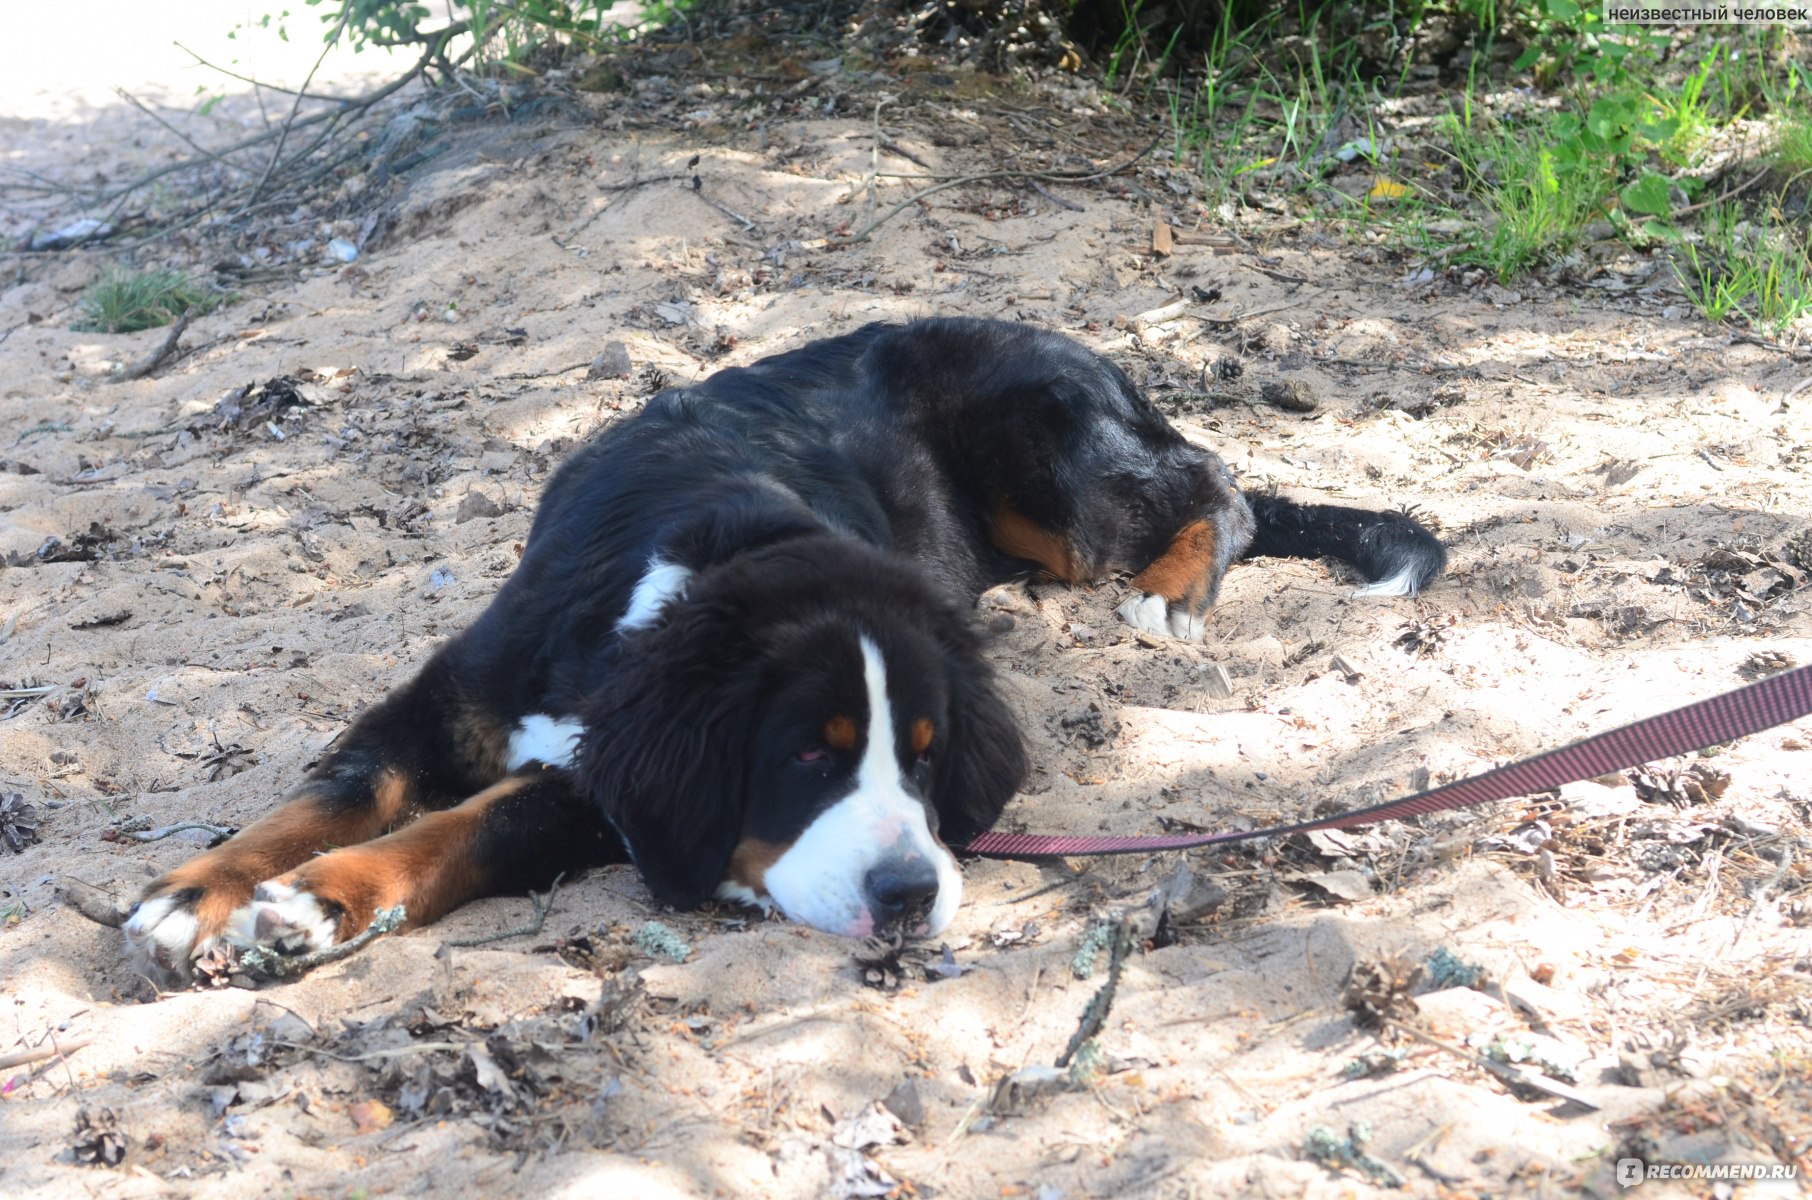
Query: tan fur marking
x,y
1182,571
922,733
427,866
277,842
1021,538
840,733
749,864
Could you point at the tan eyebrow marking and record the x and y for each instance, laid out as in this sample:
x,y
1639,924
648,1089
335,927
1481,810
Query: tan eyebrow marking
x,y
922,733
840,733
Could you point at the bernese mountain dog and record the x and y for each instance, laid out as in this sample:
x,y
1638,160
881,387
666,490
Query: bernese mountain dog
x,y
739,650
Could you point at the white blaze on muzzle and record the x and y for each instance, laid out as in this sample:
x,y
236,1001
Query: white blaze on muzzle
x,y
879,828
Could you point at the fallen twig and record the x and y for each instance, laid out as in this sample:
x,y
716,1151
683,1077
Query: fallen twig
x,y
21,1058
96,903
1094,1015
1247,316
543,906
726,210
257,83
396,1052
158,117
333,39
273,965
149,363
1054,198
1511,1074
164,831
866,231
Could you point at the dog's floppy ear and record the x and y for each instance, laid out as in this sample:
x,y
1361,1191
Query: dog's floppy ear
x,y
664,748
984,761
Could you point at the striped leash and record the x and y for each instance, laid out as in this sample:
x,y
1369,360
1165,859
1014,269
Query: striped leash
x,y
1723,718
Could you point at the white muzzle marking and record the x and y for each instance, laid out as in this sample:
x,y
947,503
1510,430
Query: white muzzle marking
x,y
820,879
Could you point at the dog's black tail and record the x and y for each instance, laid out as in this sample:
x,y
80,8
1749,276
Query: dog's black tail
x,y
1395,553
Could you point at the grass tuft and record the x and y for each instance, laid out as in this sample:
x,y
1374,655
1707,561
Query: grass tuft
x,y
1793,145
1538,210
124,301
1739,269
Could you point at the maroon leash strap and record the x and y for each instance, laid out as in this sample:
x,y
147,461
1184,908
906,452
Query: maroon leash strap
x,y
1774,701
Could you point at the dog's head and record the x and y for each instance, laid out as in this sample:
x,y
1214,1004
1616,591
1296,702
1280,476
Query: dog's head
x,y
809,729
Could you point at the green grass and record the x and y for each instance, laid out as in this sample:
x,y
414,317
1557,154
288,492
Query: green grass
x,y
124,301
1792,151
1738,270
1537,209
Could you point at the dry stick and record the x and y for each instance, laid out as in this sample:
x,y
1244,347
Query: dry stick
x,y
96,903
274,965
257,83
22,693
725,209
1044,176
1732,194
543,906
148,364
23,1057
333,39
348,109
360,104
1059,201
158,117
162,832
1509,1073
398,1052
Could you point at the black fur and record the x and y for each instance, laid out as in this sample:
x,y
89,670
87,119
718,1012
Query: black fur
x,y
868,486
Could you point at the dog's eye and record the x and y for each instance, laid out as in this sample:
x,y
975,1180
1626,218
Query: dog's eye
x,y
811,754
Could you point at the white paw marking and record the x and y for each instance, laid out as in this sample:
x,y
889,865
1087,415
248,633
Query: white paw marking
x,y
1403,583
1153,614
821,878
544,739
1145,612
742,893
663,583
282,919
161,937
1185,625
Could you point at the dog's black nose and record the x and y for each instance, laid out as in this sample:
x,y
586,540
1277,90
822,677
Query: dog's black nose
x,y
899,891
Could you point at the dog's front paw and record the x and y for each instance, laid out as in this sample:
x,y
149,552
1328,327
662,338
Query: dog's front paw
x,y
1154,614
284,918
174,923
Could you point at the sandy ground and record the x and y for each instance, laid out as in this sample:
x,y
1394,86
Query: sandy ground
x,y
1624,490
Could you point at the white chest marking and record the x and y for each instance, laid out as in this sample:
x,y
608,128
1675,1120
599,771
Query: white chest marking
x,y
544,739
663,583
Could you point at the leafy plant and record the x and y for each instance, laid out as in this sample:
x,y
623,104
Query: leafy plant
x,y
520,25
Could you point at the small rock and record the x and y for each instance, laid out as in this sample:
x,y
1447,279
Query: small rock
x,y
612,362
1291,395
87,229
904,1103
343,250
475,504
